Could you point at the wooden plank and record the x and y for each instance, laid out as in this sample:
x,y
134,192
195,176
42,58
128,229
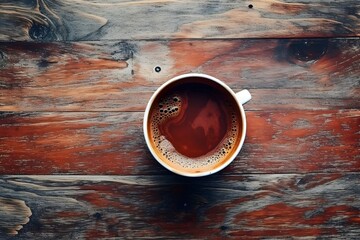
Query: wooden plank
x,y
53,20
171,207
109,76
113,143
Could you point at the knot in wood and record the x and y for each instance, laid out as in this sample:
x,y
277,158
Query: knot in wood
x,y
308,50
39,32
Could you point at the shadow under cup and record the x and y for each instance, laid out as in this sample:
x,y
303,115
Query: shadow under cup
x,y
194,125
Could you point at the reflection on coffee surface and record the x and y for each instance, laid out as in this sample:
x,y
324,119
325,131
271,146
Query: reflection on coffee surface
x,y
194,125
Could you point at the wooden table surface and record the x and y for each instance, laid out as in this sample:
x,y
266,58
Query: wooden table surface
x,y
75,77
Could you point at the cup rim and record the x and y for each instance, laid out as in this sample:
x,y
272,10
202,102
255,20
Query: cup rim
x,y
147,137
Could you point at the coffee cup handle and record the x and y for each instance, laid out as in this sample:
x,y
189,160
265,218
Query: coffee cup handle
x,y
243,96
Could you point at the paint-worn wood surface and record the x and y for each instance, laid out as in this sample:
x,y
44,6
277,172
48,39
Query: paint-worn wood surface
x,y
49,20
103,76
163,207
112,143
71,119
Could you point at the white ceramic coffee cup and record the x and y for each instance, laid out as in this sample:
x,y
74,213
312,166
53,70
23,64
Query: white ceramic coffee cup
x,y
240,98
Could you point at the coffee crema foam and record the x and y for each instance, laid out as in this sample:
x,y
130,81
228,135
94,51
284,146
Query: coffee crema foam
x,y
170,107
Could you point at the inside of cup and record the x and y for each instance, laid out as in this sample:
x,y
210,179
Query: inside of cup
x,y
186,114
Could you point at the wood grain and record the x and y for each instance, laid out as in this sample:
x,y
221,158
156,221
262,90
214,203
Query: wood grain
x,y
157,207
75,77
53,20
15,213
113,143
109,76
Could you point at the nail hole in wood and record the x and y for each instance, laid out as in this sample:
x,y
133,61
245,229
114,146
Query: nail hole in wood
x,y
250,6
223,228
157,69
97,216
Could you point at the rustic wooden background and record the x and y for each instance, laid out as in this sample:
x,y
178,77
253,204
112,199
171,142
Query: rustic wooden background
x,y
75,77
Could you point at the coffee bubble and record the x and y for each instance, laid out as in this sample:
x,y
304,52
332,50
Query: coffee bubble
x,y
167,107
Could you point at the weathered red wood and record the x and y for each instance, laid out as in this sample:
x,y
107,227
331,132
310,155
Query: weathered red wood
x,y
109,76
167,206
76,108
53,20
112,143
